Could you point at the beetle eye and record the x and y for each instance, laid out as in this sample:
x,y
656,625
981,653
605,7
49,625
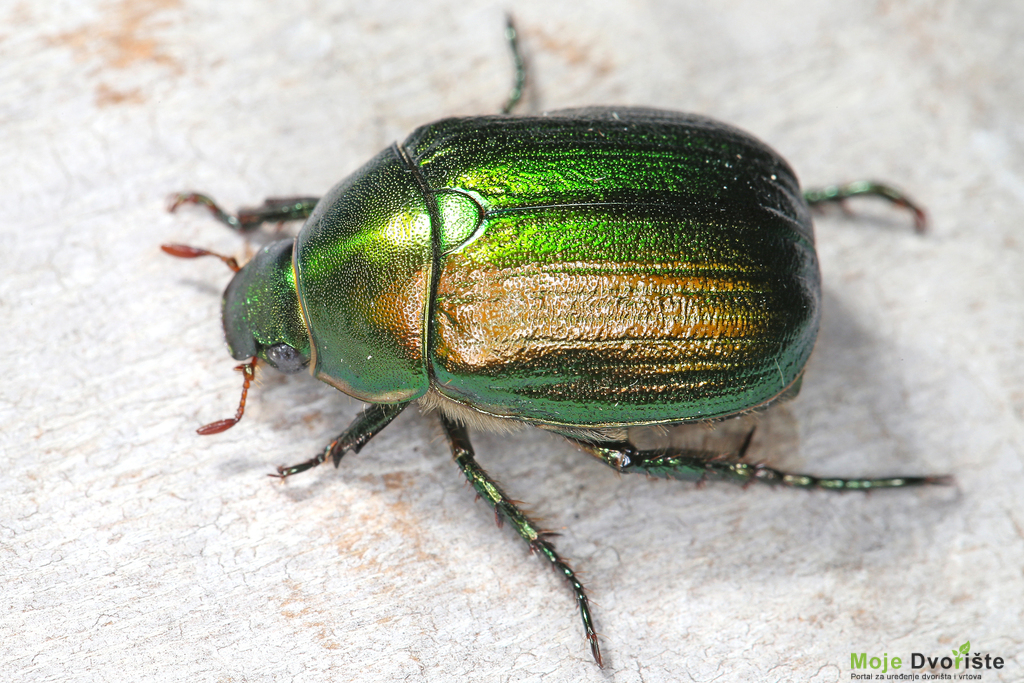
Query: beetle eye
x,y
285,358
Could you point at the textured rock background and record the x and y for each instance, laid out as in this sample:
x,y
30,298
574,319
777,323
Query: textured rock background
x,y
132,549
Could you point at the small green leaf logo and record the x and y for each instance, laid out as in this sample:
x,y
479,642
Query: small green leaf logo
x,y
964,649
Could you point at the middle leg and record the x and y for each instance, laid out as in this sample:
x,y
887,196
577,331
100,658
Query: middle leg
x,y
505,510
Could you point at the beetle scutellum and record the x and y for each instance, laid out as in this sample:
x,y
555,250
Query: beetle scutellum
x,y
582,271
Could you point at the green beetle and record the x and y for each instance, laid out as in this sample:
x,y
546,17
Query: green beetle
x,y
588,269
583,271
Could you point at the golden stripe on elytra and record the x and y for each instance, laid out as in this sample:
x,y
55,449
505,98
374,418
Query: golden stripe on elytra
x,y
484,314
495,316
707,355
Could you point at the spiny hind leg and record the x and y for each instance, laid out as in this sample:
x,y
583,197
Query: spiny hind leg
x,y
701,466
838,194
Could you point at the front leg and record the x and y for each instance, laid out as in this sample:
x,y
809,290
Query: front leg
x,y
374,418
505,510
274,210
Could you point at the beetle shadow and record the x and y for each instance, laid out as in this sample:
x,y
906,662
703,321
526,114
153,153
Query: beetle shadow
x,y
854,392
204,287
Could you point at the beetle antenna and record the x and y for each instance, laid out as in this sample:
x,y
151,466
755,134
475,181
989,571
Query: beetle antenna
x,y
185,251
248,371
519,74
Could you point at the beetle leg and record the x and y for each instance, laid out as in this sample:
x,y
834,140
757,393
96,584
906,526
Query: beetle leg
x,y
699,466
519,66
839,193
274,210
374,418
489,490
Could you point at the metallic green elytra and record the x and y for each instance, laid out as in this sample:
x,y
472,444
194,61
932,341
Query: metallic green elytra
x,y
587,268
583,271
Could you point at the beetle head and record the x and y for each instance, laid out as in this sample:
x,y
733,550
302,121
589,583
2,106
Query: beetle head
x,y
261,311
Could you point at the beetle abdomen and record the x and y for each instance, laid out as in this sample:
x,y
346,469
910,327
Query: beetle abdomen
x,y
630,266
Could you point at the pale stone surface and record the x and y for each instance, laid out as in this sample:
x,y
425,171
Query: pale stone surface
x,y
132,549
